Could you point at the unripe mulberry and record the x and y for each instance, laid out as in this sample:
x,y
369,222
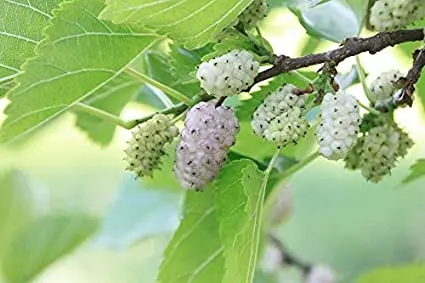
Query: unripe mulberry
x,y
208,134
253,14
353,157
339,126
386,15
228,74
146,147
377,152
384,87
280,117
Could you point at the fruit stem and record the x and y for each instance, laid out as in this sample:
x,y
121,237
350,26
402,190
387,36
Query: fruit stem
x,y
103,115
371,110
108,117
166,89
362,77
273,195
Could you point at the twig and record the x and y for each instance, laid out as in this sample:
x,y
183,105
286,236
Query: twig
x,y
288,259
412,78
350,47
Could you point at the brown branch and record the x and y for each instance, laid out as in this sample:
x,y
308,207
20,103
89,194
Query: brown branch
x,y
412,77
350,47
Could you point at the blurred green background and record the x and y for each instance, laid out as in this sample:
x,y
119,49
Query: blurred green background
x,y
338,218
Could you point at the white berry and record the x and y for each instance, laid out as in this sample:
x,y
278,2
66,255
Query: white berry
x,y
384,87
339,125
228,74
208,134
387,15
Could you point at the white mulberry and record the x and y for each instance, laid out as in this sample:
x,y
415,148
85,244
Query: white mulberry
x,y
384,87
280,118
208,134
228,74
377,152
255,12
146,147
386,15
337,132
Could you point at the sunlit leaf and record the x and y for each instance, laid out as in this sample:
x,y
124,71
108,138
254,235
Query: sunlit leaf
x,y
80,56
21,25
191,22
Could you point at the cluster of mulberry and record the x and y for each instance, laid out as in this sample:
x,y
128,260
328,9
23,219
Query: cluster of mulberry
x,y
387,15
339,125
384,87
208,134
280,118
377,152
146,147
228,74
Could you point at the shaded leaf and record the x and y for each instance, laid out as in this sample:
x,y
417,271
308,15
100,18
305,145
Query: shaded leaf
x,y
416,171
192,22
21,25
43,242
111,98
406,274
80,56
195,253
138,213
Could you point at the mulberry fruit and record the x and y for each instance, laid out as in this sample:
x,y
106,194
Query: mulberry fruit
x,y
386,15
146,147
228,74
337,132
378,151
384,87
280,118
208,134
253,14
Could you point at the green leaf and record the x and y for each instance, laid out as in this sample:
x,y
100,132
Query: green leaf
x,y
42,243
239,200
137,214
195,253
191,22
406,274
111,98
17,206
80,56
334,20
416,171
21,28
